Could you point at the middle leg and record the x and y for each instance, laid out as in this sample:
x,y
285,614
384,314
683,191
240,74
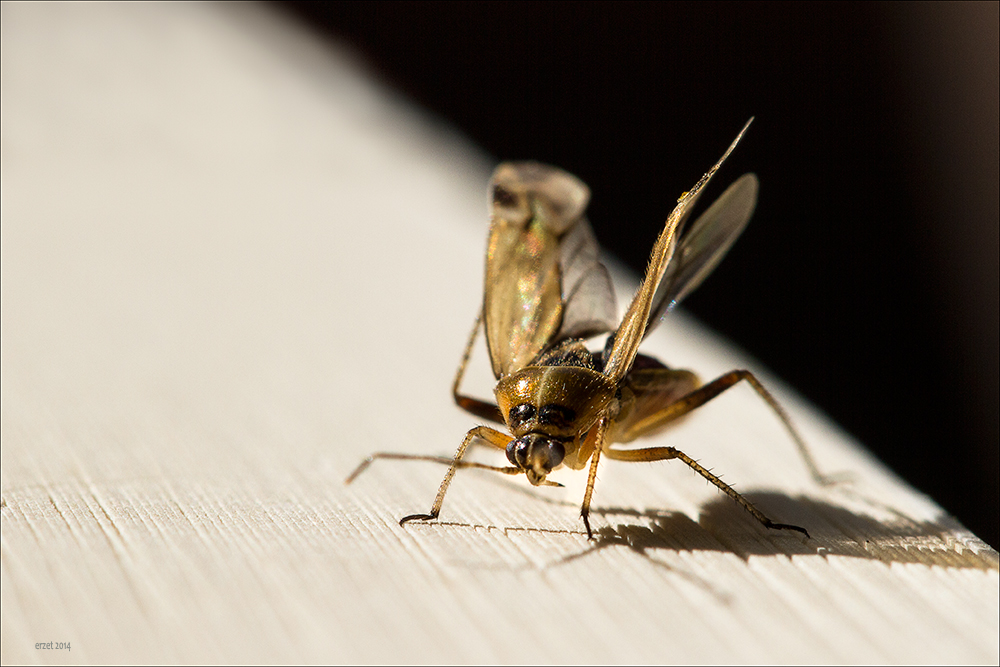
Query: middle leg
x,y
667,453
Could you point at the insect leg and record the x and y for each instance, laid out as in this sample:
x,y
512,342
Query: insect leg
x,y
666,453
786,420
602,428
477,407
496,438
704,394
509,470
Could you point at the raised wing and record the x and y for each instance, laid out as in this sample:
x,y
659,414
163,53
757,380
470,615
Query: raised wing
x,y
621,350
534,207
703,246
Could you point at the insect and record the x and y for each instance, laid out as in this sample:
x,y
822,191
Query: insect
x,y
546,293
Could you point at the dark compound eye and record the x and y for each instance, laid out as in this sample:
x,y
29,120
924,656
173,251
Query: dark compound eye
x,y
517,452
535,451
556,415
550,454
521,413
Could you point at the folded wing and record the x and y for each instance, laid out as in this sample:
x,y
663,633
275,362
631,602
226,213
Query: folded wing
x,y
543,280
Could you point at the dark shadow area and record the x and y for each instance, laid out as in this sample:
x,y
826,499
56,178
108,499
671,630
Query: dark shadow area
x,y
834,531
725,527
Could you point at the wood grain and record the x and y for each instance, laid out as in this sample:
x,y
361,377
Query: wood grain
x,y
232,266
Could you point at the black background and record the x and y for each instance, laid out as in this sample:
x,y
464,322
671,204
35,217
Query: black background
x,y
868,278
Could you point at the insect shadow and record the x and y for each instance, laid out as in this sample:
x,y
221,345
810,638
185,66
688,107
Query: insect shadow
x,y
722,527
834,531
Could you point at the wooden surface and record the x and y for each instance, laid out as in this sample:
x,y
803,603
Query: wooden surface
x,y
232,266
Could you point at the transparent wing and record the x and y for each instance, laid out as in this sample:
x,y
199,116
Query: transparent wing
x,y
703,246
624,345
534,207
589,306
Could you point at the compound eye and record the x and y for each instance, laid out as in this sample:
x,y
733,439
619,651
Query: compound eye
x,y
552,454
521,413
517,452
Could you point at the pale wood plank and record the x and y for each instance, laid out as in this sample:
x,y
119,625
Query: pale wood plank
x,y
231,267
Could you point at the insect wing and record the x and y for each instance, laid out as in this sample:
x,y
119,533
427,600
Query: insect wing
x,y
703,246
533,207
629,335
589,306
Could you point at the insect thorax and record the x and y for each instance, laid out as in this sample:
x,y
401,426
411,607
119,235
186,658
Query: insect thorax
x,y
560,401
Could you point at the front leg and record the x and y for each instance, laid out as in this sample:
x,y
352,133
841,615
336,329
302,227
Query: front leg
x,y
496,438
602,429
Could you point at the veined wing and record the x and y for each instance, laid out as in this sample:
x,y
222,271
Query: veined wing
x,y
589,306
534,207
621,351
703,246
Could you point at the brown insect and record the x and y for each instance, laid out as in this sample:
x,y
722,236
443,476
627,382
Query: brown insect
x,y
546,292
